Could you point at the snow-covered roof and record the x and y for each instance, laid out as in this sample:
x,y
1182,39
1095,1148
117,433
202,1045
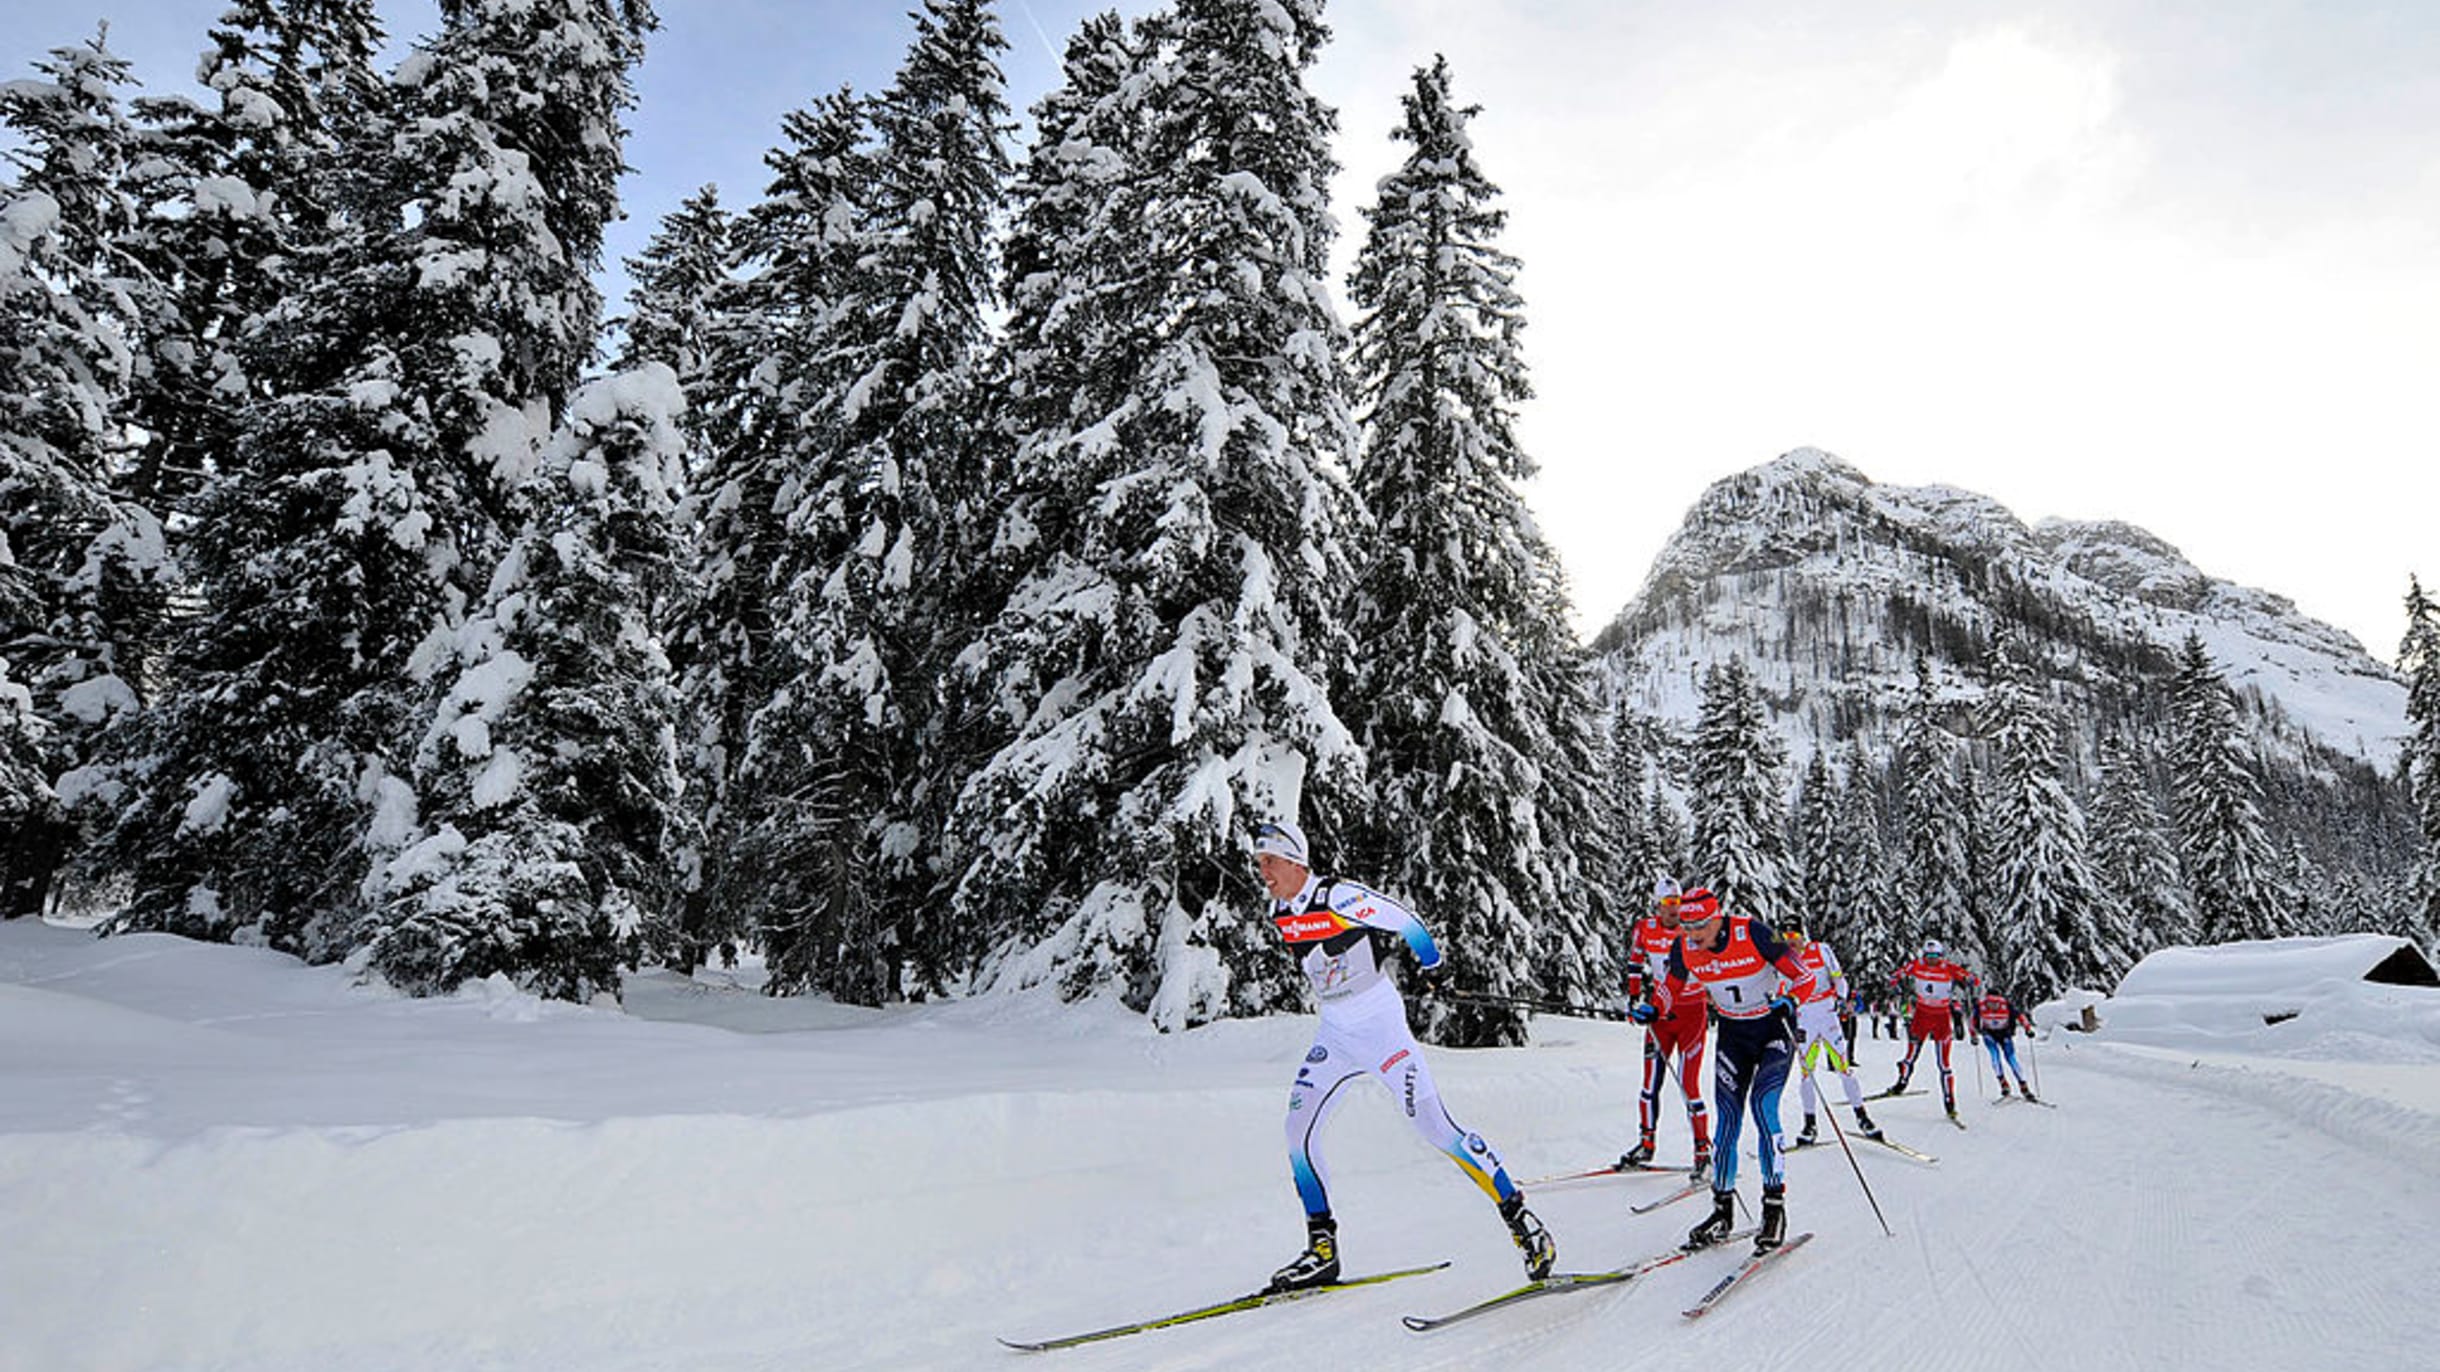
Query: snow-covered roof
x,y
2293,996
2275,967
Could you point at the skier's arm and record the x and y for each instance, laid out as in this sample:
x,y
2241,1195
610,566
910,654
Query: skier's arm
x,y
1359,904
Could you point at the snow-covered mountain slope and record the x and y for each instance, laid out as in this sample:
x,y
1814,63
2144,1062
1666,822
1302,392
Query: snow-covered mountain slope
x,y
1829,584
215,1158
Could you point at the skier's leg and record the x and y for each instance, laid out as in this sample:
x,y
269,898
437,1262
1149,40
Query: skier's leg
x,y
1730,1081
1770,1077
1648,1102
1321,1086
1408,1079
1688,1041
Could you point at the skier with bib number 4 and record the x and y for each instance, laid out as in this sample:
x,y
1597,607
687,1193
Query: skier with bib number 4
x,y
1340,930
1740,963
1935,981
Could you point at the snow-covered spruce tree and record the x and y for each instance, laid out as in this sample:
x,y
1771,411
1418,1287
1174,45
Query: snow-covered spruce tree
x,y
1813,834
2045,929
1931,888
550,769
1858,889
680,280
512,122
1473,709
1634,854
80,559
2222,846
240,192
1672,835
2132,857
753,792
2419,660
1180,611
878,614
1740,825
1977,794
233,799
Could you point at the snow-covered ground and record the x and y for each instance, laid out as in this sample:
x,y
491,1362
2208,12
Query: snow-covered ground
x,y
212,1157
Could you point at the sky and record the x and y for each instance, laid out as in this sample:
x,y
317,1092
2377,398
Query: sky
x,y
2161,261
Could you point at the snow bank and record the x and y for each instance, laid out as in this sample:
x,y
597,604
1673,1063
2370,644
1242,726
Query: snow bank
x,y
2279,997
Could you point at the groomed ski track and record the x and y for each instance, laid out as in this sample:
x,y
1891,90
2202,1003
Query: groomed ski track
x,y
220,1161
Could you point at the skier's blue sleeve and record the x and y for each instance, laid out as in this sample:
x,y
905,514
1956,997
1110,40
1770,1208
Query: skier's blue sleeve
x,y
1359,904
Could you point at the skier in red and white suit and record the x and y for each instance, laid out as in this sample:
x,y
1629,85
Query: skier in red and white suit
x,y
1674,1039
1936,984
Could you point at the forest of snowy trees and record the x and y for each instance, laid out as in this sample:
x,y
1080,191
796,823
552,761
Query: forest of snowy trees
x,y
927,584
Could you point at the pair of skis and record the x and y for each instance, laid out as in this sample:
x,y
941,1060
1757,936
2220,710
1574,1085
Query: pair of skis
x,y
1561,1283
1556,1284
1250,1301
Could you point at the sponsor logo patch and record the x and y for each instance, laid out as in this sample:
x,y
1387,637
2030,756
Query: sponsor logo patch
x,y
1318,1053
1394,1059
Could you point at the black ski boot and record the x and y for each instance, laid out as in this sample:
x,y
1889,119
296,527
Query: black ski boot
x,y
2003,1088
2028,1094
1532,1239
1702,1161
1774,1219
1805,1136
1865,1126
1318,1265
1723,1219
1638,1156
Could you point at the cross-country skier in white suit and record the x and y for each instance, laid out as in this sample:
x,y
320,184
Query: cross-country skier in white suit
x,y
1341,929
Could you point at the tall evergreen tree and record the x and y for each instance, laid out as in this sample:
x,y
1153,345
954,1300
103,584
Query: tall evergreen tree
x,y
81,560
899,469
1857,892
552,760
2215,805
1931,886
1740,831
1672,835
513,113
244,187
1636,855
1478,740
2046,934
2133,858
2419,659
1179,612
1813,829
771,853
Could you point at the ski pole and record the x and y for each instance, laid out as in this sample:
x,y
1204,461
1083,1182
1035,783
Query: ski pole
x,y
1547,1007
1669,1074
1849,1149
2033,1061
1981,1091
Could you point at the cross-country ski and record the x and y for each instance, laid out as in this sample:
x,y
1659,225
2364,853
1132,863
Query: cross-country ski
x,y
1254,1300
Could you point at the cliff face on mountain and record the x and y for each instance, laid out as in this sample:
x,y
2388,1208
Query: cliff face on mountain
x,y
1829,586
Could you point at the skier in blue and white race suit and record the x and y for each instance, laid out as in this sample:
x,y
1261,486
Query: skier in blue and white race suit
x,y
1340,929
1741,965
